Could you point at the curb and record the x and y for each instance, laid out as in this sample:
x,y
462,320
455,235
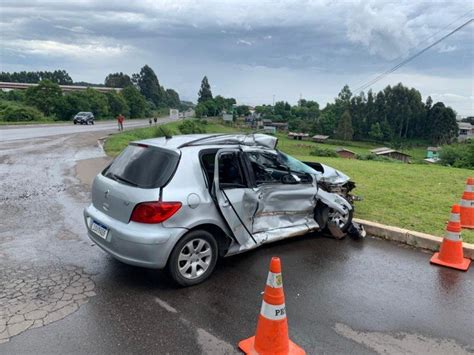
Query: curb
x,y
405,236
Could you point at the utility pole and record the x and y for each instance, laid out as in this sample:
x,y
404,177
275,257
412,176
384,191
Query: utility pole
x,y
273,100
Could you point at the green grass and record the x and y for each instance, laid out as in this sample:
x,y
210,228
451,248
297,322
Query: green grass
x,y
412,196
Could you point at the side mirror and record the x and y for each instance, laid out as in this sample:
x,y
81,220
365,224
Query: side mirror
x,y
290,179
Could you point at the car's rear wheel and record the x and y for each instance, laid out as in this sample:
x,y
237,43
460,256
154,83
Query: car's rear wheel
x,y
193,258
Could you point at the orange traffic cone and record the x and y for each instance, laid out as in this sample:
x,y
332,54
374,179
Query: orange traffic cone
x,y
272,327
451,253
467,205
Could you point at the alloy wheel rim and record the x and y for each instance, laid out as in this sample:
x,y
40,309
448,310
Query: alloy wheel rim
x,y
337,218
194,258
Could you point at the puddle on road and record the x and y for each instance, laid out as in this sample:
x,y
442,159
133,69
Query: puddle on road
x,y
402,343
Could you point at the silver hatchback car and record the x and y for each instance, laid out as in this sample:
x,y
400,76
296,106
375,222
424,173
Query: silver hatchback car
x,y
181,202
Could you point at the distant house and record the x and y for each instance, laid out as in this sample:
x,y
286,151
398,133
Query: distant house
x,y
391,153
255,121
432,153
269,129
345,153
466,131
319,138
228,117
280,126
189,113
298,136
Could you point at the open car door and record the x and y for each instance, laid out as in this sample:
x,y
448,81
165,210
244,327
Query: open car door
x,y
236,200
287,198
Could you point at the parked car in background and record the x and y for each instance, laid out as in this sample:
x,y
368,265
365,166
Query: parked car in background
x,y
181,202
84,118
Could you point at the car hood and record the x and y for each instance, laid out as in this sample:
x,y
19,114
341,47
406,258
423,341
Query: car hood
x,y
332,176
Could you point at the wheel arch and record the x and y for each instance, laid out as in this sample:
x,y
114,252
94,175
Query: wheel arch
x,y
222,239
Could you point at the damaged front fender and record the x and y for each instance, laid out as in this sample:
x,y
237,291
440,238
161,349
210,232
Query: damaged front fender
x,y
334,201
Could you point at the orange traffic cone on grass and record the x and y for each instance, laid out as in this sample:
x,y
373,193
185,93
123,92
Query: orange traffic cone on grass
x,y
451,253
467,205
272,327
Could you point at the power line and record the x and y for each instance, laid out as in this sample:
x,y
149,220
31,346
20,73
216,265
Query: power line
x,y
384,74
421,42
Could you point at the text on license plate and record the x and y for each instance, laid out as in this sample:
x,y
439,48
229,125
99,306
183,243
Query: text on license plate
x,y
99,229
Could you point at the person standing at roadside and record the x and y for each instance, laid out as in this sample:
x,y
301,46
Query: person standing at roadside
x,y
120,120
149,121
155,119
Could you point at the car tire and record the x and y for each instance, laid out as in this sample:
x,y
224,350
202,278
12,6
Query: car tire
x,y
75,122
342,223
92,122
196,249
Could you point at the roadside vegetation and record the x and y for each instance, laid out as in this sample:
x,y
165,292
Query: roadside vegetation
x,y
412,196
139,96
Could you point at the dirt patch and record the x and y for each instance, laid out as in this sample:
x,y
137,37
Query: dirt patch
x,y
87,169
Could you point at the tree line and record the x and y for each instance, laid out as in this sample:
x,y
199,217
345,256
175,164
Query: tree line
x,y
209,106
140,95
393,114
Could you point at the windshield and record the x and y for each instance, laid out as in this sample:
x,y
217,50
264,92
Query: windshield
x,y
296,165
82,114
143,166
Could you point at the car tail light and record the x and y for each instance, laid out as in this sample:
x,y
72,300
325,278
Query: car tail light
x,y
154,212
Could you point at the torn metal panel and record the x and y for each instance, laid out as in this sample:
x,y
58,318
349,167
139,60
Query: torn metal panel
x,y
274,235
333,201
264,140
282,206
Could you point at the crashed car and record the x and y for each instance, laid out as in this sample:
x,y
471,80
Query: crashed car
x,y
181,202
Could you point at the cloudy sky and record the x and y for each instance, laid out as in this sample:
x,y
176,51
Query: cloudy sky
x,y
250,50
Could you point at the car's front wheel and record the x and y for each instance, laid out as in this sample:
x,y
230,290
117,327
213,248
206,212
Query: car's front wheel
x,y
193,258
341,220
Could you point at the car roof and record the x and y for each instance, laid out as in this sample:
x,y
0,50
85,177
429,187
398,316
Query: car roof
x,y
194,140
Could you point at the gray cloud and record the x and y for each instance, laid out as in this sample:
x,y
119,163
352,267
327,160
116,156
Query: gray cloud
x,y
248,49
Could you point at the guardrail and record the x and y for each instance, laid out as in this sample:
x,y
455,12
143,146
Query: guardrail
x,y
24,86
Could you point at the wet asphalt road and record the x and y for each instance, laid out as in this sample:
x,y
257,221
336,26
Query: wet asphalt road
x,y
9,133
67,296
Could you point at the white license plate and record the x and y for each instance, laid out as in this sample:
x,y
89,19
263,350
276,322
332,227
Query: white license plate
x,y
99,229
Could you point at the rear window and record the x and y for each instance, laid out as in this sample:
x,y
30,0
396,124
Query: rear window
x,y
143,166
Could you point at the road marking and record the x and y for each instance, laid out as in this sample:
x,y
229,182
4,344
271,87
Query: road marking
x,y
400,343
165,305
211,345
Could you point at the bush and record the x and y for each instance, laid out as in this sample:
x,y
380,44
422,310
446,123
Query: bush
x,y
460,155
323,152
374,157
10,112
163,131
191,127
